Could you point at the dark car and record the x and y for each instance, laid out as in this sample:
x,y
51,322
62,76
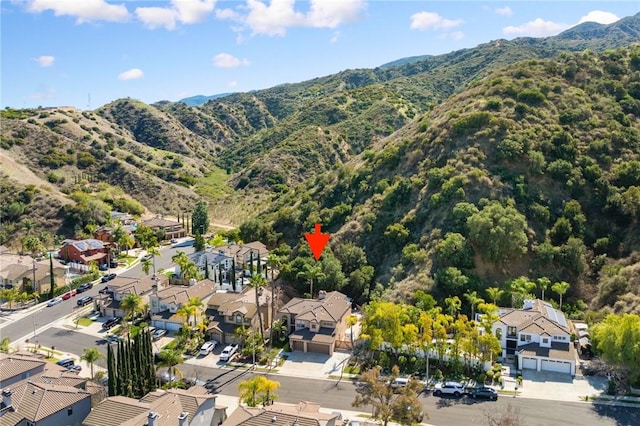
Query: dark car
x,y
484,392
113,264
108,277
110,323
85,300
84,287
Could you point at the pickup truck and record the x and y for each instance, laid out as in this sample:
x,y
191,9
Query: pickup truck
x,y
228,352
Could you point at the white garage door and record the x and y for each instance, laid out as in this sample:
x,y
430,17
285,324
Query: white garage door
x,y
557,366
529,363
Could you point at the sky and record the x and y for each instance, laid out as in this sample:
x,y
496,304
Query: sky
x,y
87,53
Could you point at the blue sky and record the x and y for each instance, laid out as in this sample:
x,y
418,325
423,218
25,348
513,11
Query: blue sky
x,y
86,53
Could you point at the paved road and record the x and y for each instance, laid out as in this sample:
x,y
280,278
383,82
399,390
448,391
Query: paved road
x,y
442,411
45,316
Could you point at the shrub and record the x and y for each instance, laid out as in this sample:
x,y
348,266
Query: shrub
x,y
531,97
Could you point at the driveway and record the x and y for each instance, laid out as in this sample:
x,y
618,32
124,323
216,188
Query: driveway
x,y
557,386
312,364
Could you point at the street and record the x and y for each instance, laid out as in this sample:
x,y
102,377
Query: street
x,y
330,393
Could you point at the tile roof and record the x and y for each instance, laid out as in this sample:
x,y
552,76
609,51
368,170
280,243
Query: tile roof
x,y
85,245
37,401
158,222
324,335
331,308
227,303
16,365
179,294
278,414
538,317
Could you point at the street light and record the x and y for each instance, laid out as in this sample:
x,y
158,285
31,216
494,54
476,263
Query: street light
x,y
35,286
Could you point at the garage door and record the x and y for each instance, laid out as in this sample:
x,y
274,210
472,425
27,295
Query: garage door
x,y
318,348
529,363
557,366
298,345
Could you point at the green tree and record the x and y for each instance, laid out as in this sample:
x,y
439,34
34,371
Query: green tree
x,y
495,294
257,282
91,355
616,339
560,289
171,358
258,389
474,300
499,232
453,305
200,219
52,279
131,304
199,243
5,345
111,372
311,273
543,284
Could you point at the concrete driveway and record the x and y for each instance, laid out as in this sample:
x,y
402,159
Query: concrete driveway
x,y
558,386
312,364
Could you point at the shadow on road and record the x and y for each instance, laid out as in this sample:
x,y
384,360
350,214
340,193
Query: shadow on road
x,y
623,416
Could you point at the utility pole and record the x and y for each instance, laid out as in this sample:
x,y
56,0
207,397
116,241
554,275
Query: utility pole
x,y
35,285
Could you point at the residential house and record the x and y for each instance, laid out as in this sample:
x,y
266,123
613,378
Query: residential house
x,y
279,414
214,264
122,219
228,311
538,336
317,325
244,253
44,404
109,304
84,251
15,368
171,407
105,233
166,301
19,271
171,229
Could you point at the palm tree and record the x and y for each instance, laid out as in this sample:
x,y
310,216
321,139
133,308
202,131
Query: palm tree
x,y
560,289
494,293
279,330
131,304
91,355
146,265
543,283
474,300
257,283
454,303
190,270
268,387
196,303
249,390
153,251
311,273
170,358
181,259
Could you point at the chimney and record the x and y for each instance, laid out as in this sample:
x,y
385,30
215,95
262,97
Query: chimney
x,y
182,419
322,294
528,304
6,397
152,418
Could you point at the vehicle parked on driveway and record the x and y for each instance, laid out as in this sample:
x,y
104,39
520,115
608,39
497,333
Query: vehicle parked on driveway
x,y
108,277
228,352
103,267
84,287
54,301
484,392
399,383
208,347
69,364
449,388
147,257
110,323
158,333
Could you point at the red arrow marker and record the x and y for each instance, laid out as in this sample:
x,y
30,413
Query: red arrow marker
x,y
317,241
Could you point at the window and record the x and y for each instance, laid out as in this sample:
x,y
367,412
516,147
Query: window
x,y
522,337
545,340
239,319
511,331
499,333
69,411
30,423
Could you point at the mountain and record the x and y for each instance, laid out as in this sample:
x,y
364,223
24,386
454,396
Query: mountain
x,y
201,99
411,167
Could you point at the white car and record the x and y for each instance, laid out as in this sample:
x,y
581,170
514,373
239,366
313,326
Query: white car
x,y
158,333
54,301
207,347
449,388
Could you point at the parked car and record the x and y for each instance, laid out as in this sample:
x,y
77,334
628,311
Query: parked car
x,y
69,294
83,301
104,290
113,263
158,333
66,363
484,392
113,338
449,388
400,382
110,323
228,352
173,241
108,277
103,267
84,287
54,301
208,347
146,257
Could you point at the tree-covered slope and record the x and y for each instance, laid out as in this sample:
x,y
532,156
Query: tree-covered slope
x,y
533,171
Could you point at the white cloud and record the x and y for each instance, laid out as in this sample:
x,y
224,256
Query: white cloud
x,y
44,93
536,28
432,21
180,11
599,16
45,60
232,84
132,74
504,11
83,11
273,18
225,60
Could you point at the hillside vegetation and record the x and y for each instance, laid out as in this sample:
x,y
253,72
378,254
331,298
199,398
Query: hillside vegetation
x,y
513,160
